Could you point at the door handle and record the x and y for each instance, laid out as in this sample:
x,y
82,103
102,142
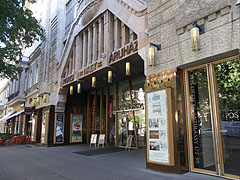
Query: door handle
x,y
224,130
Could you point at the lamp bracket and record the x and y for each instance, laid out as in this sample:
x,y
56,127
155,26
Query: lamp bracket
x,y
38,95
158,46
200,27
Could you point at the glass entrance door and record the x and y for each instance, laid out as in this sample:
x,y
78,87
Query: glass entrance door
x,y
213,92
125,127
227,88
201,121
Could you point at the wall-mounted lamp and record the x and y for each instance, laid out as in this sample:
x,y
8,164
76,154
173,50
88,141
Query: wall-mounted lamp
x,y
38,100
128,70
71,90
151,53
158,46
109,76
151,56
34,102
93,81
195,35
79,88
45,96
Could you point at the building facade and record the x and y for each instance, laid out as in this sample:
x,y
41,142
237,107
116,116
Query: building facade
x,y
95,92
202,73
159,75
4,93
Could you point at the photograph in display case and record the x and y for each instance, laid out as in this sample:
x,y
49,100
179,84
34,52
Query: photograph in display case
x,y
154,123
154,134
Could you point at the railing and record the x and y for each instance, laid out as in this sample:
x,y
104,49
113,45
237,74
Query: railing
x,y
12,96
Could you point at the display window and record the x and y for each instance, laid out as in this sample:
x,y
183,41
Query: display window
x,y
131,113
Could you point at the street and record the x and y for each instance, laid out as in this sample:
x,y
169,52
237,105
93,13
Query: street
x,y
29,162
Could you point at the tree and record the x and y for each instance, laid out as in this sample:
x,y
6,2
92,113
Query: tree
x,y
18,30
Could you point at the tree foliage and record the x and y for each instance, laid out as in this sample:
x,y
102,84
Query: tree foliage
x,y
18,30
228,84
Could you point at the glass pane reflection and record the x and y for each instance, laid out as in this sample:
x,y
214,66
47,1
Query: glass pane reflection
x,y
228,89
202,136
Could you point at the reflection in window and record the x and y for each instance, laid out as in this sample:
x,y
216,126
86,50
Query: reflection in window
x,y
228,90
202,137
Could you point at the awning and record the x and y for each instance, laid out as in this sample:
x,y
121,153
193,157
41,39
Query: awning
x,y
15,114
5,117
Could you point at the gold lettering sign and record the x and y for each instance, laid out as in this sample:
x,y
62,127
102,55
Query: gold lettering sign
x,y
90,69
122,52
68,79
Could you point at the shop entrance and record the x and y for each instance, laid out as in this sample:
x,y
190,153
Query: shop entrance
x,y
213,104
131,113
126,128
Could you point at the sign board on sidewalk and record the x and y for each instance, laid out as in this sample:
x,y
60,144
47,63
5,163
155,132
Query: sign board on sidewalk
x,y
93,139
101,139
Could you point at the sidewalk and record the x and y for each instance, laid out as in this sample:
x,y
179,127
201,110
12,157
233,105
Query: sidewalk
x,y
29,162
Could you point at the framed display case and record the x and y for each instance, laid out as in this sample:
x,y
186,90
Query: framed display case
x,y
76,128
59,128
159,119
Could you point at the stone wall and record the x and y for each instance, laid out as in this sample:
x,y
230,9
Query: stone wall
x,y
170,23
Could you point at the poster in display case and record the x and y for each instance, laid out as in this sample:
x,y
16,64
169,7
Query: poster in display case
x,y
159,124
59,128
76,128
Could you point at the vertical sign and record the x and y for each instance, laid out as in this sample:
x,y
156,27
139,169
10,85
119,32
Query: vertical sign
x,y
59,128
45,120
76,124
44,117
33,127
159,144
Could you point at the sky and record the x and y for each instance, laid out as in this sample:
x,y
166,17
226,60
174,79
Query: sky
x,y
3,82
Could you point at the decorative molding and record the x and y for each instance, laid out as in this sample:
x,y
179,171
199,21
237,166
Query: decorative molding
x,y
131,9
75,23
211,17
160,80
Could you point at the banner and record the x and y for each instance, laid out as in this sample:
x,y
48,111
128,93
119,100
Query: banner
x,y
77,128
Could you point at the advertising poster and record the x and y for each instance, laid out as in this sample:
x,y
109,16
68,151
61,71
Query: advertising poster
x,y
157,127
59,128
93,139
77,128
